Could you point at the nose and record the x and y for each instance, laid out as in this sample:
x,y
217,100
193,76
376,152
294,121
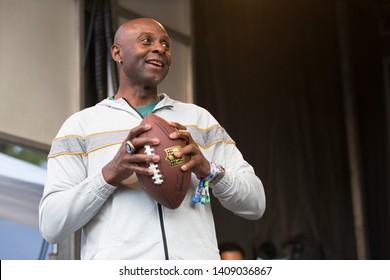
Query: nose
x,y
158,48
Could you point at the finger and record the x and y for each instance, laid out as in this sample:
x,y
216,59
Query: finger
x,y
134,132
192,164
183,134
143,159
141,170
191,150
140,142
178,126
139,163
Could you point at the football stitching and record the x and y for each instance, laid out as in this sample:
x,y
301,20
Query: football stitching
x,y
157,177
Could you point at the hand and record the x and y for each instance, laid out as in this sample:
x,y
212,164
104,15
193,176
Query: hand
x,y
124,164
198,164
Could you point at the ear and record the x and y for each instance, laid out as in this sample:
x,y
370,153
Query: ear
x,y
116,53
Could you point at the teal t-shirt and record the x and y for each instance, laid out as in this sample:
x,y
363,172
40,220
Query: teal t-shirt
x,y
147,109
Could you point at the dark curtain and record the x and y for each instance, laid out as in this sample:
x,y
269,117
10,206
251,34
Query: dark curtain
x,y
270,72
99,35
367,38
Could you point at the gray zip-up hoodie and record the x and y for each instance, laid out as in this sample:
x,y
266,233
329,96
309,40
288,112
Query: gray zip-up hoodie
x,y
124,222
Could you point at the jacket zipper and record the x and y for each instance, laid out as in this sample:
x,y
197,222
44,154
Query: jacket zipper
x,y
164,237
160,213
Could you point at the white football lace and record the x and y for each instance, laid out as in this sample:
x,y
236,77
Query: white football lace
x,y
157,178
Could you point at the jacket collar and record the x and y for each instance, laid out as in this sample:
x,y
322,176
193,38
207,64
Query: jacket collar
x,y
121,104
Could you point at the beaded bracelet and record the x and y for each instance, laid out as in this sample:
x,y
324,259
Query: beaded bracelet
x,y
202,193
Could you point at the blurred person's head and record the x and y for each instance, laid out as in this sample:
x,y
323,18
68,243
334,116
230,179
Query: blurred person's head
x,y
231,251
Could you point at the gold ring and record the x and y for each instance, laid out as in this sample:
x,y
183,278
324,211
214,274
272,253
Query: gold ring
x,y
129,147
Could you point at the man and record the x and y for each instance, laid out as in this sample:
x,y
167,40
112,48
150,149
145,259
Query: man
x,y
91,182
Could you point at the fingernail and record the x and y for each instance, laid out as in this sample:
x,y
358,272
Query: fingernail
x,y
173,135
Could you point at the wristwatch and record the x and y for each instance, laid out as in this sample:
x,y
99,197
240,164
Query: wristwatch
x,y
219,171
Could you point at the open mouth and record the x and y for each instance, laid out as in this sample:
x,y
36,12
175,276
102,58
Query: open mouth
x,y
155,63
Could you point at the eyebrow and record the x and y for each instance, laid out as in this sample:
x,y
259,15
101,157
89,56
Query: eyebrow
x,y
166,37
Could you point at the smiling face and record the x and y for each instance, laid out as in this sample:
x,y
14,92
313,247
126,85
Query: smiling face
x,y
143,48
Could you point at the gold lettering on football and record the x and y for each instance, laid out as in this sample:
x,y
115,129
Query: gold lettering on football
x,y
173,161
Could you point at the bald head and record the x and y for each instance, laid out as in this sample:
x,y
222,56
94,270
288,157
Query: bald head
x,y
135,24
142,49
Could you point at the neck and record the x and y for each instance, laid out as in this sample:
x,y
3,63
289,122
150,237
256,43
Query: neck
x,y
137,97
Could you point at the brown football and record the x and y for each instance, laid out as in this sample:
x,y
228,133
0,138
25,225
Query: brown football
x,y
169,184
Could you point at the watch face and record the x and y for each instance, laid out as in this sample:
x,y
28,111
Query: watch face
x,y
221,173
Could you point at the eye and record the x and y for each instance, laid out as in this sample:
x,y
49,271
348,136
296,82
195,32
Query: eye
x,y
166,45
146,40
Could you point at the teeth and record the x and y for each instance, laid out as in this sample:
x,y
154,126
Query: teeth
x,y
155,62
